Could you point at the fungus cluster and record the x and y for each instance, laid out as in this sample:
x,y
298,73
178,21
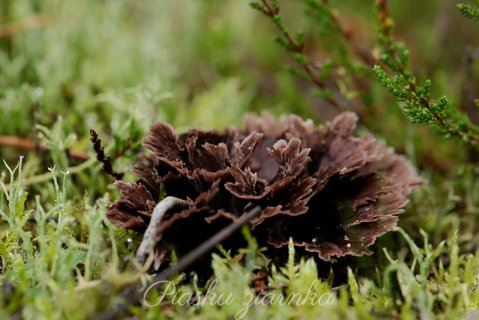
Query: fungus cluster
x,y
333,193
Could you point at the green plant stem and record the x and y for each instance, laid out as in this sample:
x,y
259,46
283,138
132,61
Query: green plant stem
x,y
50,175
398,65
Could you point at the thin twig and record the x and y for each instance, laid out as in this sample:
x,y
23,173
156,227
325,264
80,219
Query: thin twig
x,y
470,85
468,96
298,48
23,143
337,98
100,155
148,243
365,56
30,23
36,133
208,245
120,310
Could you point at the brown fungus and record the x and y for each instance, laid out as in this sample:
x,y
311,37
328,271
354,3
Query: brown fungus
x,y
333,193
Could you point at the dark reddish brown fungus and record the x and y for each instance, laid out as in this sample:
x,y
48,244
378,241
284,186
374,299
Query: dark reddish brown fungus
x,y
333,193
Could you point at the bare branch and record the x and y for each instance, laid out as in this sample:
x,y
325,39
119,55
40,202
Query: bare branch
x,y
148,243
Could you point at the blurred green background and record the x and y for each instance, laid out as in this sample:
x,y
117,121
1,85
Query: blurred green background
x,y
121,65
203,63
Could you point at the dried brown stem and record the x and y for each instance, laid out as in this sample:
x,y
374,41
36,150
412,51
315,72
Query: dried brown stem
x,y
470,85
23,143
337,99
100,155
132,298
30,23
208,245
296,48
364,55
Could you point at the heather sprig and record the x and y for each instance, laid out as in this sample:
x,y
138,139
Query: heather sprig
x,y
470,11
444,117
330,83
